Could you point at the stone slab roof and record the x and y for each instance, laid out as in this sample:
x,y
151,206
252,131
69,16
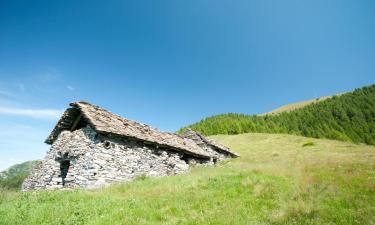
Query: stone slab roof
x,y
200,139
105,122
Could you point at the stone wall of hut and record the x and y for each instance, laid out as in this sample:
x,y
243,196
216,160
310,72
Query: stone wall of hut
x,y
85,159
215,153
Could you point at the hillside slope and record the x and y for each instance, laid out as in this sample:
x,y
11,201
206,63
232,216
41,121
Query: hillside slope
x,y
275,181
13,177
294,106
348,117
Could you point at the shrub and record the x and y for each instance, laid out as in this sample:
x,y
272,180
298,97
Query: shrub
x,y
12,183
310,143
141,177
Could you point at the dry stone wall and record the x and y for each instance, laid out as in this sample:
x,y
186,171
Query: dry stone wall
x,y
216,155
86,159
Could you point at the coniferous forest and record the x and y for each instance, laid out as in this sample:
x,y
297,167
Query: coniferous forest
x,y
348,117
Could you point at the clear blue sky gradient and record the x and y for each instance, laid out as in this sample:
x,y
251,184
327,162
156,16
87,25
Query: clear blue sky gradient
x,y
172,63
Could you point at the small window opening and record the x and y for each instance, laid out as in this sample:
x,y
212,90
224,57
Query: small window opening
x,y
64,168
107,144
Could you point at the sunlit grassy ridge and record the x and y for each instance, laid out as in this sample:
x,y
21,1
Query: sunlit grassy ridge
x,y
294,106
275,181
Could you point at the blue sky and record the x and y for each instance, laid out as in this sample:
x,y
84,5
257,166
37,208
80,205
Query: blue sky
x,y
171,63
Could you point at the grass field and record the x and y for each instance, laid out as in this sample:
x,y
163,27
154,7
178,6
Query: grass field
x,y
279,179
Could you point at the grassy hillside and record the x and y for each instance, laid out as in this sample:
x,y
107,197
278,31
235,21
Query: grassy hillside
x,y
294,106
348,117
276,181
13,177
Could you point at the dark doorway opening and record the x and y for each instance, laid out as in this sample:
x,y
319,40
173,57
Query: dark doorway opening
x,y
64,168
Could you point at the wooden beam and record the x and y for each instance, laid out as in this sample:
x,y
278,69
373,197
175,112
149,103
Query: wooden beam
x,y
76,122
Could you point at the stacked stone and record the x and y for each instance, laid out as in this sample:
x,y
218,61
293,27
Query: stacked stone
x,y
217,153
97,160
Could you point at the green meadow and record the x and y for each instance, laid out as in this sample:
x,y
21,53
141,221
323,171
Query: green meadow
x,y
279,179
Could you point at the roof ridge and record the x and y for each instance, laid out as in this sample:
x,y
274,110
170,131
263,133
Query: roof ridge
x,y
106,122
101,108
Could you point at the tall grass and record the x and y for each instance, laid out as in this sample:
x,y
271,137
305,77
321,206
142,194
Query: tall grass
x,y
276,181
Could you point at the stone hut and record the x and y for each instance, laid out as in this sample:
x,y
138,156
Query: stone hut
x,y
92,147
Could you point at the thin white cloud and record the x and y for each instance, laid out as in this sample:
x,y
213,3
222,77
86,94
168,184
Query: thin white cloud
x,y
70,88
7,94
34,113
21,87
50,74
